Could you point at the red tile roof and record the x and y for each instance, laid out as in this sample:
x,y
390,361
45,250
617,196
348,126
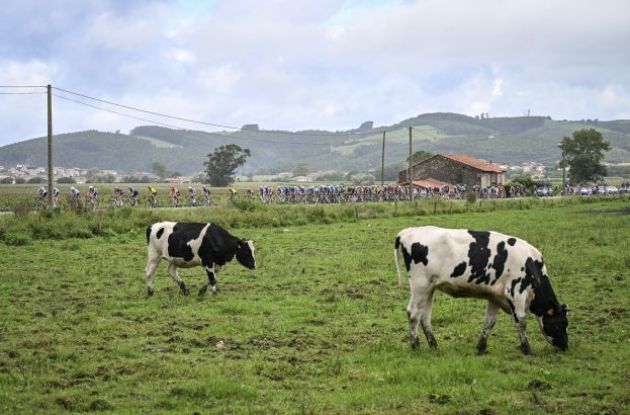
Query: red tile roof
x,y
476,163
429,183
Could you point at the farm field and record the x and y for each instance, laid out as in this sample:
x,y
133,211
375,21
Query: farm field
x,y
319,327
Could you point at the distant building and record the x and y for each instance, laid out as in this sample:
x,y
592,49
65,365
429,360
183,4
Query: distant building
x,y
303,179
178,180
456,169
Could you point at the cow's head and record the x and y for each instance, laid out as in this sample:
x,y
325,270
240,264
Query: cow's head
x,y
245,253
554,325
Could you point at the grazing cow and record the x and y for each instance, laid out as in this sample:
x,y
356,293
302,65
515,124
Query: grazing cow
x,y
191,244
506,271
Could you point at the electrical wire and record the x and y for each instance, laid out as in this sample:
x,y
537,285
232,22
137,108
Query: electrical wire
x,y
21,93
22,86
232,136
230,127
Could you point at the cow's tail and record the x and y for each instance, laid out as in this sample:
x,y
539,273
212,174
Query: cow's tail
x,y
149,233
397,261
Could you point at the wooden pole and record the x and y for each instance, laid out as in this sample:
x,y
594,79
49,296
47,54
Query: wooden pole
x,y
50,147
383,163
410,175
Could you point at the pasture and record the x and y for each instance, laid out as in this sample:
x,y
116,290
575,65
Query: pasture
x,y
319,327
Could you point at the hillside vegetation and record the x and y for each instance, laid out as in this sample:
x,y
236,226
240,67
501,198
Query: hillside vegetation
x,y
503,140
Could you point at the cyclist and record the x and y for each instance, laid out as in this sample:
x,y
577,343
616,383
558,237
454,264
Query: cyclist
x,y
118,194
232,193
92,196
192,195
206,195
152,196
55,195
74,192
174,195
133,196
42,193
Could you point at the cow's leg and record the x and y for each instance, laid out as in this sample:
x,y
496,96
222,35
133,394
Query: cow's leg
x,y
152,264
491,318
212,281
425,320
520,317
172,271
414,314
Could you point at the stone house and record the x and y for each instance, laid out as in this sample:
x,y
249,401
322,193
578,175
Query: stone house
x,y
456,169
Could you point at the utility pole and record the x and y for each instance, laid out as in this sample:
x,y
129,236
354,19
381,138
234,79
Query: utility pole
x,y
383,163
410,175
50,148
564,172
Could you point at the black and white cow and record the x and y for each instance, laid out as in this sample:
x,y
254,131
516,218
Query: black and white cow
x,y
506,271
194,244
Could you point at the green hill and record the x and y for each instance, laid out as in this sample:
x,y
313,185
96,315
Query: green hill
x,y
503,140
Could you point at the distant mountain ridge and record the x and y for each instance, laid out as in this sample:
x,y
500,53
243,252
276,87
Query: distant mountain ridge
x,y
502,139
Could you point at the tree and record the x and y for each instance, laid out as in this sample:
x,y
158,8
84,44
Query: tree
x,y
584,153
419,156
301,169
223,162
159,169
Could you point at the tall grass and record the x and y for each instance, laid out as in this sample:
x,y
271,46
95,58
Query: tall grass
x,y
19,229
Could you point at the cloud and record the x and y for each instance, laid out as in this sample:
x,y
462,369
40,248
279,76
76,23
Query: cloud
x,y
327,64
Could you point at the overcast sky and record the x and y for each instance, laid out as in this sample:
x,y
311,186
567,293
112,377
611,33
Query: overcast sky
x,y
325,64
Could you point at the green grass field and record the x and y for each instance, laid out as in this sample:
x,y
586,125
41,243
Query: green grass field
x,y
319,327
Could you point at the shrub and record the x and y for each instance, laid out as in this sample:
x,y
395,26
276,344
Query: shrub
x,y
15,238
21,209
471,197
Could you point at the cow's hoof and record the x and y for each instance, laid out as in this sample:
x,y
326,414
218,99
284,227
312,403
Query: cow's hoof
x,y
185,290
481,352
215,290
149,292
526,349
415,344
203,290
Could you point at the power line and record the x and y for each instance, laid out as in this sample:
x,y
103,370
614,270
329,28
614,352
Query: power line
x,y
22,86
116,112
21,93
230,127
234,136
159,114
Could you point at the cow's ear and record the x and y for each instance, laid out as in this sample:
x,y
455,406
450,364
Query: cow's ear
x,y
551,312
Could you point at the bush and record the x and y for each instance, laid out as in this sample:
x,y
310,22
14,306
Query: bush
x,y
471,197
36,180
21,209
65,180
15,238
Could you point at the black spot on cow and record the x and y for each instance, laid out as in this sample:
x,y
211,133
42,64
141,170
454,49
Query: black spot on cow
x,y
406,258
218,247
419,253
511,241
159,233
148,234
513,286
459,270
498,263
178,241
478,256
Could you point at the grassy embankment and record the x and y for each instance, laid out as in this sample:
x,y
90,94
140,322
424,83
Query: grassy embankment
x,y
320,327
